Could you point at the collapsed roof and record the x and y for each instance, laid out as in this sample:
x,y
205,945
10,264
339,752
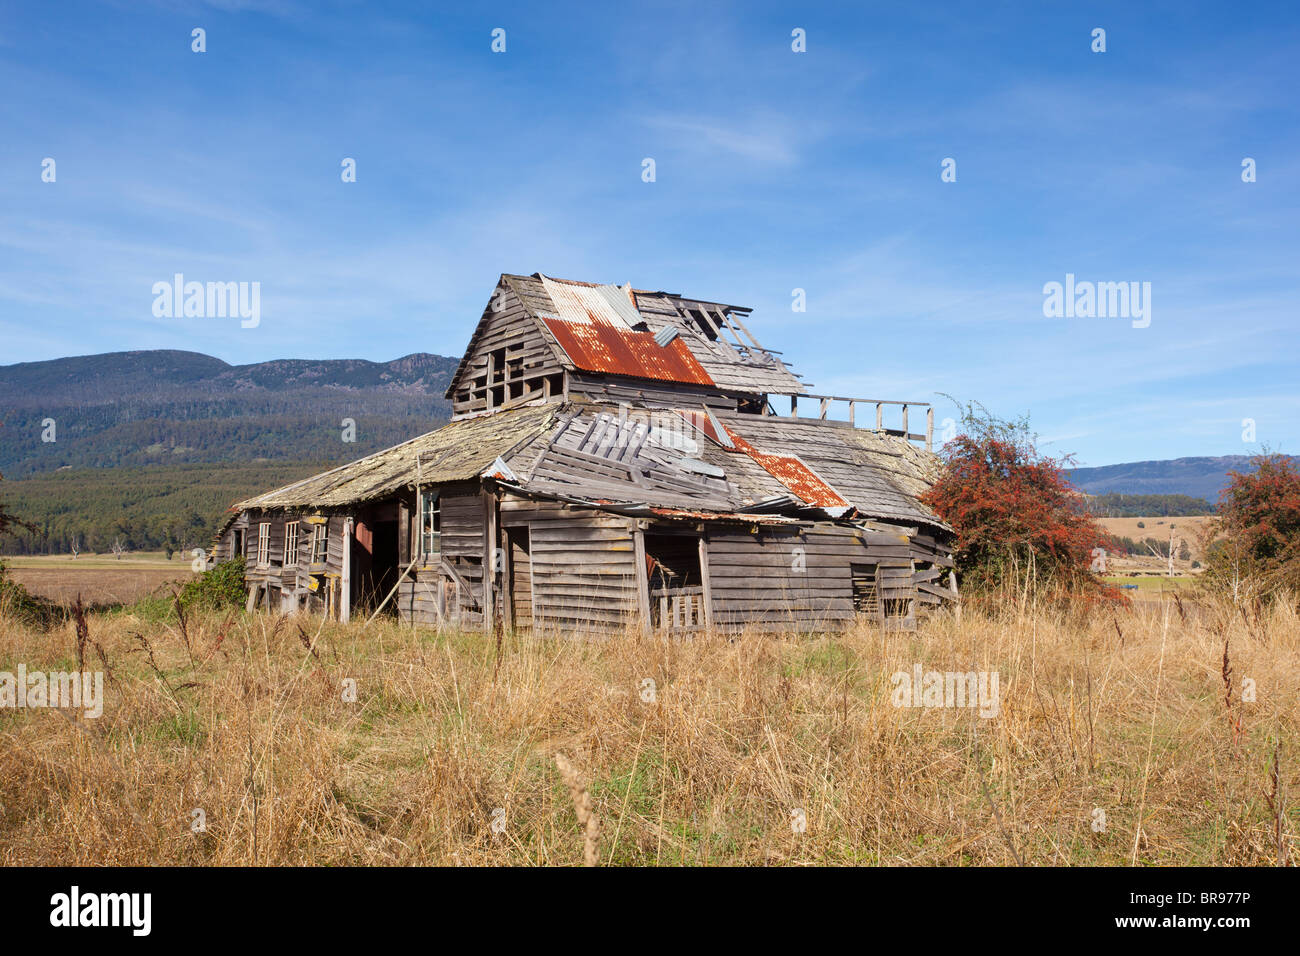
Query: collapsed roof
x,y
694,460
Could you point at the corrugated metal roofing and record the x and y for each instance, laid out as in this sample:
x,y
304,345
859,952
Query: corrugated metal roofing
x,y
704,422
585,302
594,327
723,516
564,450
794,474
882,475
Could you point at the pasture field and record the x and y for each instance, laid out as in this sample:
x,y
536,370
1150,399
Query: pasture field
x,y
96,584
1153,584
231,739
129,559
1187,529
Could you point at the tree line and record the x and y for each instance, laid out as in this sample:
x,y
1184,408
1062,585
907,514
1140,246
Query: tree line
x,y
171,508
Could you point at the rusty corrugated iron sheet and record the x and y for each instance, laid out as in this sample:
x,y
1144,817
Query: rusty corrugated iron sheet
x,y
706,423
723,516
794,474
601,348
593,324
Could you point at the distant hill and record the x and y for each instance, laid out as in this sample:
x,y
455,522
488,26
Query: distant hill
x,y
147,509
128,409
1115,505
1198,477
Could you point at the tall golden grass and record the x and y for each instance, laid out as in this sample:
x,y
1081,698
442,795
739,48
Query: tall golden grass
x,y
556,750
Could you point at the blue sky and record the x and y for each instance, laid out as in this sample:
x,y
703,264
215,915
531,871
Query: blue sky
x,y
775,170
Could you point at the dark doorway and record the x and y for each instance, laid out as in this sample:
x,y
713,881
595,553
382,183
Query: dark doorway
x,y
520,585
676,585
383,567
673,560
378,578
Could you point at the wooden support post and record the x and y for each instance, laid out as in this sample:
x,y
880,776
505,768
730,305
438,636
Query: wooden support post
x,y
706,596
642,579
906,432
851,404
956,594
345,588
404,550
826,403
507,583
929,428
794,406
489,559
880,416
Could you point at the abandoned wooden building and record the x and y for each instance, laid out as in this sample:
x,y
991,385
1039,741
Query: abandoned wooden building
x,y
615,457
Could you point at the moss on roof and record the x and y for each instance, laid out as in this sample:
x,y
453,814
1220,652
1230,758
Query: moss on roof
x,y
459,451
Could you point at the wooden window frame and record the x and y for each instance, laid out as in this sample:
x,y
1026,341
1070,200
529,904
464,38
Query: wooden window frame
x,y
264,544
290,544
320,543
430,538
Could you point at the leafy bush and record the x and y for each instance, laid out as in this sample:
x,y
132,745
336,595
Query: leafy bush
x,y
1258,529
1013,509
221,588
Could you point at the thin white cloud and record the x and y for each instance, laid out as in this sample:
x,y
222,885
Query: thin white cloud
x,y
768,139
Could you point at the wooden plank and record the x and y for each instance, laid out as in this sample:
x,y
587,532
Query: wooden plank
x,y
642,581
489,553
345,592
705,576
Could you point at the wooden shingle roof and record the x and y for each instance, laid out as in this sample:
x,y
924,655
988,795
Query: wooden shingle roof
x,y
459,451
657,458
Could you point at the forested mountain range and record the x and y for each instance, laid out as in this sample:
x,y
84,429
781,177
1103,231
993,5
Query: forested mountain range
x,y
130,409
1198,477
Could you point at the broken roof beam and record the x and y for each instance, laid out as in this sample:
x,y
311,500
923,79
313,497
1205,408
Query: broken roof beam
x,y
863,401
745,329
824,405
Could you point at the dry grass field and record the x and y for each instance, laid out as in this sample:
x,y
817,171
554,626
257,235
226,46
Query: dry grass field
x,y
94,585
1115,743
99,579
1187,529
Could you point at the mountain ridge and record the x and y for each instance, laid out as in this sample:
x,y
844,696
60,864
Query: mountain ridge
x,y
1200,476
136,408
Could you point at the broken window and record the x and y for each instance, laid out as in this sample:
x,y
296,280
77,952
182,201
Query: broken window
x,y
290,544
320,547
264,544
866,593
430,524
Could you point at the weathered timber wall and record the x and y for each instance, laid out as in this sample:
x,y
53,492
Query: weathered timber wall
x,y
583,566
528,356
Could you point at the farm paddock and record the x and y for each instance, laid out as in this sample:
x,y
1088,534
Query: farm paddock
x,y
615,456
